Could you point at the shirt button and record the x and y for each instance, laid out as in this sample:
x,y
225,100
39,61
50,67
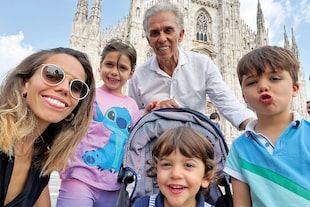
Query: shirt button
x,y
267,144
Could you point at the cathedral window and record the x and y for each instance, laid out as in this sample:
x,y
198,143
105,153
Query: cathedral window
x,y
203,26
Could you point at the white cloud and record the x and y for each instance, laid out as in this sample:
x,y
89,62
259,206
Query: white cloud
x,y
246,12
277,14
12,51
305,8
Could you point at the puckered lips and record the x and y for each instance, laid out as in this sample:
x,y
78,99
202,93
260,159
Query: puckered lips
x,y
265,98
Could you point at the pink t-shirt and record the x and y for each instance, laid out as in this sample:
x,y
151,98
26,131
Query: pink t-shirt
x,y
99,155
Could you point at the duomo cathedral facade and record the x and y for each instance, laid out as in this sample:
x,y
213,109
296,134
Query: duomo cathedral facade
x,y
212,27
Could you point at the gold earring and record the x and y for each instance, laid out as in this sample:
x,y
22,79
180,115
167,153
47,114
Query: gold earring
x,y
69,118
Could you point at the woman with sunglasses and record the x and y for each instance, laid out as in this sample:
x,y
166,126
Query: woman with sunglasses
x,y
91,179
45,109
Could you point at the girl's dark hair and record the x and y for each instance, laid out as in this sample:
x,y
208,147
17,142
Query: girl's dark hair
x,y
123,47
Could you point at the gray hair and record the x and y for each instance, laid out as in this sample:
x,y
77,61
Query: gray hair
x,y
162,7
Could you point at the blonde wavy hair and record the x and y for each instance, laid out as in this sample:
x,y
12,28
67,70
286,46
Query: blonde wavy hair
x,y
17,121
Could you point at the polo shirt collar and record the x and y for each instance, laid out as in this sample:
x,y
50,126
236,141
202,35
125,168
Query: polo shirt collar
x,y
295,123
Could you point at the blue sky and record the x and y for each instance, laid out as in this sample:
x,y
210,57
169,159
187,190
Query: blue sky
x,y
27,26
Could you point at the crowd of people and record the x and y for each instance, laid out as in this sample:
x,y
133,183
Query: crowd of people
x,y
54,118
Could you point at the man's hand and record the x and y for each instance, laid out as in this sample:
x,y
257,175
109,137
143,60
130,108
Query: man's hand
x,y
161,104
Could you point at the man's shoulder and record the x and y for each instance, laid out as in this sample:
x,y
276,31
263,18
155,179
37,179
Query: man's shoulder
x,y
144,70
145,65
193,54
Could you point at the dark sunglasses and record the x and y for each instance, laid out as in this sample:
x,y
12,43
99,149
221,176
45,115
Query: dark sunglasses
x,y
53,75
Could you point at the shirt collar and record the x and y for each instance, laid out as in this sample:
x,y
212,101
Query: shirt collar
x,y
199,198
295,123
182,60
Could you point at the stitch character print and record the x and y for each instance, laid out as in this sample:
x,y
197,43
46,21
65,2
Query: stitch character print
x,y
117,120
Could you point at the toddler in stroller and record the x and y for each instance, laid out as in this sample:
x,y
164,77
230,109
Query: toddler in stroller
x,y
138,153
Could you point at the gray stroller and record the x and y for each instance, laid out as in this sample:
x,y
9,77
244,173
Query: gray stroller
x,y
138,151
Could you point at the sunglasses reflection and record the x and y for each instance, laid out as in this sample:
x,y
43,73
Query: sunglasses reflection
x,y
53,75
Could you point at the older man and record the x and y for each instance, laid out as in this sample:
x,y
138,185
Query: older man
x,y
177,78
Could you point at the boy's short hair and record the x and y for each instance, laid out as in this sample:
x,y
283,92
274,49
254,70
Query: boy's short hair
x,y
277,58
190,143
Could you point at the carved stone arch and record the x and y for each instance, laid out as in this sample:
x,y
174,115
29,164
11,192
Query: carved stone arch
x,y
149,52
185,13
244,44
206,50
138,11
203,28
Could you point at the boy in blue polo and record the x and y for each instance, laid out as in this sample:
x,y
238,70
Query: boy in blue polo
x,y
270,162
